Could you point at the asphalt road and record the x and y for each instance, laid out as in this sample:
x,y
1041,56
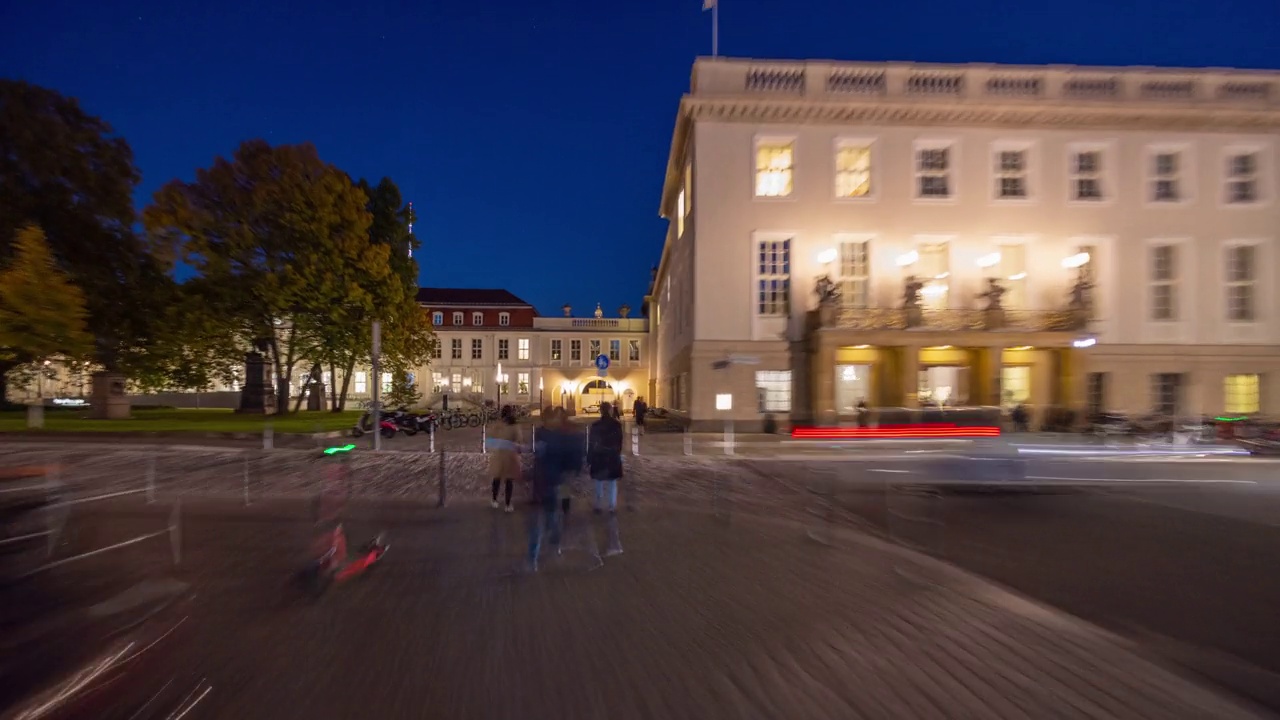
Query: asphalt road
x,y
1180,556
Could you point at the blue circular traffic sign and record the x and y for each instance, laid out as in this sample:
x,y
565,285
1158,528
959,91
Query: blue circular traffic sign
x,y
602,362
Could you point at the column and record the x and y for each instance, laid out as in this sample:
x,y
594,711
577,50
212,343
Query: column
x,y
995,376
909,377
822,382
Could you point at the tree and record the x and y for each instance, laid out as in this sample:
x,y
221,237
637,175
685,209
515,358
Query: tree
x,y
69,173
42,313
199,347
403,392
264,230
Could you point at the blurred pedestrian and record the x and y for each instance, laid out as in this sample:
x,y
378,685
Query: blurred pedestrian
x,y
640,409
504,447
558,455
604,459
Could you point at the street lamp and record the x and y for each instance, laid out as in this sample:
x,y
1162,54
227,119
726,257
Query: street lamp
x,y
540,394
498,383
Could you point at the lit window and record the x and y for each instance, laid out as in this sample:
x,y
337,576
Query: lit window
x,y
680,214
1164,283
1166,176
437,382
1089,273
1015,385
615,350
774,169
504,319
1166,393
1011,174
477,348
773,390
457,382
933,172
1242,178
575,351
933,269
457,318
854,275
522,349
555,350
1013,275
386,382
1242,394
522,383
1240,280
504,348
1086,175
437,350
362,383
853,170
455,348
773,278
437,318
595,350
633,350
688,189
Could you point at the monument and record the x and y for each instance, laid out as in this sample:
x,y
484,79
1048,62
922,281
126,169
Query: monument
x,y
911,291
258,395
109,400
993,313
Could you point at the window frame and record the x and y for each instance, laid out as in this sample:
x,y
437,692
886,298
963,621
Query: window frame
x,y
1185,176
1261,175
615,350
758,242
477,348
1030,167
763,140
458,317
952,146
1024,243
504,319
455,348
523,385
1177,293
437,318
555,350
575,349
1228,283
841,279
522,349
766,404
477,319
1157,393
1227,391
504,348
633,351
872,144
360,383
1106,176
918,243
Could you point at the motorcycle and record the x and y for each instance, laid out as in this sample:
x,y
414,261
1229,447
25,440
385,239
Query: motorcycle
x,y
427,422
405,421
386,426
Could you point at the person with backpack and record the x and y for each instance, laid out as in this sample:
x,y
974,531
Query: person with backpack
x,y
604,458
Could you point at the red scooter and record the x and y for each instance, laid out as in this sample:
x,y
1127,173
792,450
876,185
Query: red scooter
x,y
332,563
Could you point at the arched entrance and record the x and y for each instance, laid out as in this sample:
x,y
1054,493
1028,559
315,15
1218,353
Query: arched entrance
x,y
595,392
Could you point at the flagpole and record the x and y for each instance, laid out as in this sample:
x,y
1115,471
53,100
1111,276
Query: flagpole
x,y
715,29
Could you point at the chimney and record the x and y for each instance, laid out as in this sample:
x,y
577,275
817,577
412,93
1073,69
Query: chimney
x,y
599,312
624,311
568,310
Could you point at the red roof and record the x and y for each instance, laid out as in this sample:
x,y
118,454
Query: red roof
x,y
468,297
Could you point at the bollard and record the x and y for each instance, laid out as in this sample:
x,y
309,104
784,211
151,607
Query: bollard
x,y
268,437
444,492
246,482
688,442
484,439
635,440
175,531
533,436
728,437
151,479
431,434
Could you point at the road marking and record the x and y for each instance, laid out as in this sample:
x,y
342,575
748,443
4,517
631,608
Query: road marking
x,y
1142,480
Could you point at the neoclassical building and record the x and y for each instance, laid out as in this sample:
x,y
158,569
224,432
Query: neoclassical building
x,y
899,234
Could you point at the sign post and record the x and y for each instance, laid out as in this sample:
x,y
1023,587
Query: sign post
x,y
375,410
602,365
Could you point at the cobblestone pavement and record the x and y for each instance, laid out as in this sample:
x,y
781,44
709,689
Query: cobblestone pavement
x,y
700,617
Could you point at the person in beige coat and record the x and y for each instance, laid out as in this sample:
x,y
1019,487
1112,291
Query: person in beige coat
x,y
504,444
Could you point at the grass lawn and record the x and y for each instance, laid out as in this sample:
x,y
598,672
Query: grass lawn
x,y
205,420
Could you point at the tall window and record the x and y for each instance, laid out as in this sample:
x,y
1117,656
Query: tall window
x,y
504,349
854,276
933,172
522,383
1242,394
522,348
362,383
774,168
437,318
1097,393
773,278
477,348
1242,178
1013,275
688,189
1166,393
633,351
575,351
556,352
386,382
455,348
934,270
437,382
1164,283
680,214
1240,282
1086,175
1011,174
615,350
457,318
1089,273
437,350
853,170
457,382
773,390
504,319
477,318
1166,176
595,351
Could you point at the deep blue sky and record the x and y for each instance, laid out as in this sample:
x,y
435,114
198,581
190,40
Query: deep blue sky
x,y
531,135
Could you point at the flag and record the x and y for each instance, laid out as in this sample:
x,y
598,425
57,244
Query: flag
x,y
708,4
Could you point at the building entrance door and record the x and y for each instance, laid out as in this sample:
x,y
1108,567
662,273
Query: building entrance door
x,y
853,385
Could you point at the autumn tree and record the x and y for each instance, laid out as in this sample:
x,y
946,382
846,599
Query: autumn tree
x,y
257,229
68,173
198,348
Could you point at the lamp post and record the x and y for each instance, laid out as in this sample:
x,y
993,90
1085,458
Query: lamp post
x,y
498,386
540,393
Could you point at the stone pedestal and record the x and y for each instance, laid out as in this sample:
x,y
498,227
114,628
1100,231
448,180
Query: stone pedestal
x,y
109,401
913,315
315,396
993,318
258,395
35,416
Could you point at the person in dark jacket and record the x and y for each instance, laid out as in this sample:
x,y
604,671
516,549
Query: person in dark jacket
x,y
604,458
558,455
640,409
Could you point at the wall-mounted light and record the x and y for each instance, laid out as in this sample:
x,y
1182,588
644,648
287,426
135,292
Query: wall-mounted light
x,y
942,276
724,401
1084,342
989,260
908,258
933,290
1075,261
1018,276
828,256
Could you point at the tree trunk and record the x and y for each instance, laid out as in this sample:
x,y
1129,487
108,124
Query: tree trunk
x,y
306,390
346,383
5,367
333,387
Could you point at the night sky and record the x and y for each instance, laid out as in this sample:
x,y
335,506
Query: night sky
x,y
531,135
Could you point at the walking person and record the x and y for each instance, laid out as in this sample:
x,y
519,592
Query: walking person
x,y
558,455
604,460
504,448
640,409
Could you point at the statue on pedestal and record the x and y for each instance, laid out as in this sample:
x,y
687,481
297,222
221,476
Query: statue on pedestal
x,y
828,299
911,297
993,313
1081,303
